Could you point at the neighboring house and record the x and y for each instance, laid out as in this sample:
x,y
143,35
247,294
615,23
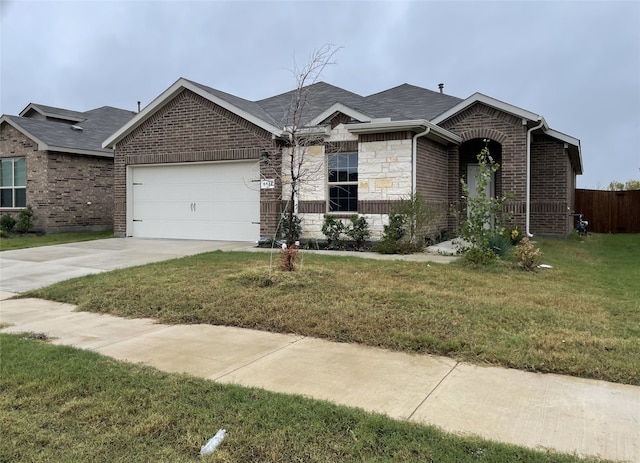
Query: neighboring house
x,y
199,163
52,159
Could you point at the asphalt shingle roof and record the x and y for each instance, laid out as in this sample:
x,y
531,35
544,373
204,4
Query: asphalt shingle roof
x,y
97,125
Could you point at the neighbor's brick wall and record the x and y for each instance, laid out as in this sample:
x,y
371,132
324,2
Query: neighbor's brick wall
x,y
552,186
59,185
190,128
481,121
80,192
13,144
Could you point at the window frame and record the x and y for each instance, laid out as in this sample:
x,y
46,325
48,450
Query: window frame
x,y
13,187
339,183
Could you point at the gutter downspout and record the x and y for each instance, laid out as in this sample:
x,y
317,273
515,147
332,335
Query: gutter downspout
x,y
528,202
414,158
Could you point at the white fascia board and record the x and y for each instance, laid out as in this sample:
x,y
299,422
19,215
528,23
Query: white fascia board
x,y
339,107
563,137
41,145
480,98
419,124
167,96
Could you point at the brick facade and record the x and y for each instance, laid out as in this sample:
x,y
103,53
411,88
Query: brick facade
x,y
552,176
552,187
68,192
190,128
432,180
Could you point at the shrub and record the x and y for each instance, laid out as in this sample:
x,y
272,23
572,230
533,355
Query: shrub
x,y
500,245
513,234
358,231
296,227
7,223
479,256
25,221
483,215
333,228
289,258
392,235
528,255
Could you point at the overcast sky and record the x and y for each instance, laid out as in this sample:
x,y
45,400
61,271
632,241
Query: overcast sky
x,y
575,63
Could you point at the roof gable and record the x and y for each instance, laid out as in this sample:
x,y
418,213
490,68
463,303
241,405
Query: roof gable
x,y
246,109
85,136
39,111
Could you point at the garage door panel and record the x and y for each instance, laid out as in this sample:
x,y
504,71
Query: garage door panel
x,y
217,201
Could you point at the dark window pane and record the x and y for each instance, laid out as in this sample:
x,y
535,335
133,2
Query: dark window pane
x,y
21,197
6,198
343,198
333,175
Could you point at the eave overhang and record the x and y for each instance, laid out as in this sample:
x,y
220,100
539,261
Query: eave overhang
x,y
418,126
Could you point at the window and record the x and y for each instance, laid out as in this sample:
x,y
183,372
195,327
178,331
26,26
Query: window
x,y
13,182
343,182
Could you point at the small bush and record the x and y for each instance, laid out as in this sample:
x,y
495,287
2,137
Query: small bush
x,y
289,258
333,228
296,227
528,255
25,221
500,245
7,223
391,235
513,234
358,231
479,257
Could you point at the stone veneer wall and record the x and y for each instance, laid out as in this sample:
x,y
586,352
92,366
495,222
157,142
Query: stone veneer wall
x,y
60,186
384,177
190,128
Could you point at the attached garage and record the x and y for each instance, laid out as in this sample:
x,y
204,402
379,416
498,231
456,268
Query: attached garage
x,y
204,201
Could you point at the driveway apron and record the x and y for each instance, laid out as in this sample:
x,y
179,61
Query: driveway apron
x,y
26,269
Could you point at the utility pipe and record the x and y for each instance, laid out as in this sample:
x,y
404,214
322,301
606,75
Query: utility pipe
x,y
414,159
528,201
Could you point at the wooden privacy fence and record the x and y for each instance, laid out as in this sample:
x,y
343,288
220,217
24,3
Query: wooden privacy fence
x,y
610,211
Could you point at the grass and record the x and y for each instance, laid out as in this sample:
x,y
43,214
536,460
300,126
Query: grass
x,y
34,240
63,404
581,318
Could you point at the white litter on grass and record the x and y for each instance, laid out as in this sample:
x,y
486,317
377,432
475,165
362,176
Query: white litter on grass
x,y
544,266
213,443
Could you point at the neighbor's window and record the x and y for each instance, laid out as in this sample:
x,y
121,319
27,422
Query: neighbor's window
x,y
343,182
13,182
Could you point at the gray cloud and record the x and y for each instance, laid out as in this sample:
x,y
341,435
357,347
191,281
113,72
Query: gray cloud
x,y
575,63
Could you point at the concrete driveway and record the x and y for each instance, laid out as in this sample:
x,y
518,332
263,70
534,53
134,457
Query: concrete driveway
x,y
25,269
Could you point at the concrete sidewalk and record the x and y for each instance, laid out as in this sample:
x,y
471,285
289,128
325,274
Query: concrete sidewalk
x,y
567,414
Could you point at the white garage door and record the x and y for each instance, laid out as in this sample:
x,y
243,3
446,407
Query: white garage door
x,y
213,201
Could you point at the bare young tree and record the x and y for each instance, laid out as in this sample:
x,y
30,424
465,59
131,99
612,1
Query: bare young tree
x,y
298,137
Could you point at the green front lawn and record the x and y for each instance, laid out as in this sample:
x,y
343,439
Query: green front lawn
x,y
60,404
32,240
581,318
